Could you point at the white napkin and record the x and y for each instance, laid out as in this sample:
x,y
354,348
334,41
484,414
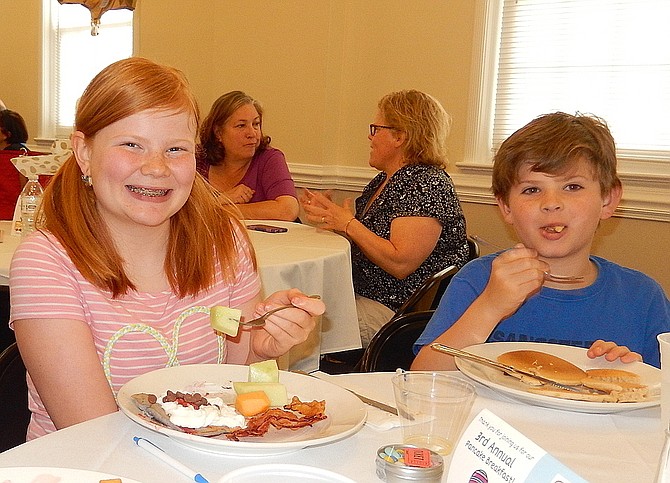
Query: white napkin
x,y
381,420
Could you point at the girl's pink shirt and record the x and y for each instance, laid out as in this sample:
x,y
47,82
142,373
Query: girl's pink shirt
x,y
140,331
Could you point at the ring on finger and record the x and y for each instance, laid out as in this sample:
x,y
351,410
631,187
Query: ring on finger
x,y
323,219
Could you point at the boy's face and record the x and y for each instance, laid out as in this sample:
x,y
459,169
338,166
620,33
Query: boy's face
x,y
557,215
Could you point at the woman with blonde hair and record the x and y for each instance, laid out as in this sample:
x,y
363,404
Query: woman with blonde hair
x,y
237,159
131,246
408,222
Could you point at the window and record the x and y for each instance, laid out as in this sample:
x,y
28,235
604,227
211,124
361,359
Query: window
x,y
72,57
603,57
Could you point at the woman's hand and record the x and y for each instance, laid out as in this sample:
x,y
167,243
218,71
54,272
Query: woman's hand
x,y
612,352
240,194
325,213
286,328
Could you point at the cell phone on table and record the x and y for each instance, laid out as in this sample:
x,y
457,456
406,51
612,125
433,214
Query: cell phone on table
x,y
267,228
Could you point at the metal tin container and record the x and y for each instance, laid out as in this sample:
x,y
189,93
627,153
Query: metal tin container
x,y
392,466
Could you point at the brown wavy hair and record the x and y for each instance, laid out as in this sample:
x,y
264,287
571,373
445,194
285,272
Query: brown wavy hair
x,y
424,121
211,149
552,144
202,232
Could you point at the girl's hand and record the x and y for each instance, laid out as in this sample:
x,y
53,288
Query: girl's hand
x,y
612,352
288,327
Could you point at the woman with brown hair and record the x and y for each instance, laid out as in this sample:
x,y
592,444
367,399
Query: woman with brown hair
x,y
237,159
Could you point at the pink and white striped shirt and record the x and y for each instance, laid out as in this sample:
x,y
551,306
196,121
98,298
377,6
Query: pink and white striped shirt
x,y
134,334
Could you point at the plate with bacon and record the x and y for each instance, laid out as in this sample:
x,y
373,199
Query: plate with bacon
x,y
317,412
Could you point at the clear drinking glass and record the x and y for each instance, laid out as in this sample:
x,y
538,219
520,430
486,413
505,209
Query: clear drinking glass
x,y
663,471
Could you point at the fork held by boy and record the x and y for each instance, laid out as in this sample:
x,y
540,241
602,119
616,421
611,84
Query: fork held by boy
x,y
547,275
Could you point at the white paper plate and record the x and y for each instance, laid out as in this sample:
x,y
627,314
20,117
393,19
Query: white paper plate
x,y
32,474
283,473
346,413
509,386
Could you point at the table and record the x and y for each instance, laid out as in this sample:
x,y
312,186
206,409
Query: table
x,y
611,448
7,247
315,261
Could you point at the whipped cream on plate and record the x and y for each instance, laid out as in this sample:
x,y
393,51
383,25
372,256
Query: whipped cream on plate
x,y
215,413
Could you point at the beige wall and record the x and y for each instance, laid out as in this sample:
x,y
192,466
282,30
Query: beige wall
x,y
320,67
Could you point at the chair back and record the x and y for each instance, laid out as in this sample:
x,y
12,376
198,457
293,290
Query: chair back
x,y
15,415
428,295
391,347
474,249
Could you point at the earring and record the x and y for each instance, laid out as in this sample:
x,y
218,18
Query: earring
x,y
87,180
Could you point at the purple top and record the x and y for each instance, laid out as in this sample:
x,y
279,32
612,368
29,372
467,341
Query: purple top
x,y
267,175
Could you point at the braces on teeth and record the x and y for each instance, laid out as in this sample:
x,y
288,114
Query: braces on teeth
x,y
147,191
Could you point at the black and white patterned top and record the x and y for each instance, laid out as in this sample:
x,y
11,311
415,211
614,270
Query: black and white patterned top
x,y
414,190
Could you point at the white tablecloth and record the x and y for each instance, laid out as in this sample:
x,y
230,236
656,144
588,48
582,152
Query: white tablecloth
x,y
7,247
313,260
610,448
317,262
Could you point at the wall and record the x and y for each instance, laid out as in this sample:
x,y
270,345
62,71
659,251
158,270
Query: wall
x,y
319,68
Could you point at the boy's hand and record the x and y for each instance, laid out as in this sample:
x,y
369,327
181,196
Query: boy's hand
x,y
515,275
612,352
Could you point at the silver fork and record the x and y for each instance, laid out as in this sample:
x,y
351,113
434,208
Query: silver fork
x,y
260,321
547,275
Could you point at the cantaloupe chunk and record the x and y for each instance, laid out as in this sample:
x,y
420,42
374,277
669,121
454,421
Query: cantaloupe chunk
x,y
225,319
274,390
264,371
252,403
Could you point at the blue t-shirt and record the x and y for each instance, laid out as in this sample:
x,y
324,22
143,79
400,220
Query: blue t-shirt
x,y
623,305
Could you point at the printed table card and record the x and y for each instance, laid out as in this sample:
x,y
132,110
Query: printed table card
x,y
492,451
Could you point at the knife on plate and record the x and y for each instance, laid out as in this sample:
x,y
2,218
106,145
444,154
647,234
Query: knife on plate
x,y
374,403
512,371
370,402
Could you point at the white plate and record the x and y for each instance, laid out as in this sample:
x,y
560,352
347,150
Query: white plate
x,y
346,413
30,474
509,386
283,473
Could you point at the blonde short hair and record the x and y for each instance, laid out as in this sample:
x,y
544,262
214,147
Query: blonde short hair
x,y
424,121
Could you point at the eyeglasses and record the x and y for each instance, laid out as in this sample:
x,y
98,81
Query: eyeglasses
x,y
375,127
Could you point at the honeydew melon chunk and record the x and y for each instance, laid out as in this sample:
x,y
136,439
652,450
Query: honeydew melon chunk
x,y
224,319
264,371
275,391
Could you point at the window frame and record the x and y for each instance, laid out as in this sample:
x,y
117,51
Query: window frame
x,y
48,125
646,178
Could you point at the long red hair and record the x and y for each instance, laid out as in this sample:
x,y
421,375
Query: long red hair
x,y
202,232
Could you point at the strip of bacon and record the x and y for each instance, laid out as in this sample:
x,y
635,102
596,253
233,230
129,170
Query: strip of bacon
x,y
293,416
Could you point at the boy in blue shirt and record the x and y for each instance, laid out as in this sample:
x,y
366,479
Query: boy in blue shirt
x,y
554,180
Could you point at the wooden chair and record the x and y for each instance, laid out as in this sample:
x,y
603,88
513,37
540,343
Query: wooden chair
x,y
15,415
391,346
